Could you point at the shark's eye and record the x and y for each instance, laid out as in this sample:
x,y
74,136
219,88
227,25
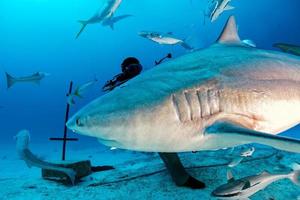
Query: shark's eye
x,y
79,122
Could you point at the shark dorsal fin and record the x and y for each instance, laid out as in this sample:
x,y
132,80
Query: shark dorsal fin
x,y
247,185
230,177
265,173
230,32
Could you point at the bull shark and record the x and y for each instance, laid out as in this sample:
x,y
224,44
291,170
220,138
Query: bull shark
x,y
223,96
164,39
34,78
243,188
220,7
23,139
288,48
105,16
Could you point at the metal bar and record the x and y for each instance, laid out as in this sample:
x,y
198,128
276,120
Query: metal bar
x,y
66,120
61,139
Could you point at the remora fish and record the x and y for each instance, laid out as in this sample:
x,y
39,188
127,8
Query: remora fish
x,y
105,16
79,91
220,7
288,48
226,95
164,39
236,161
34,78
243,188
23,139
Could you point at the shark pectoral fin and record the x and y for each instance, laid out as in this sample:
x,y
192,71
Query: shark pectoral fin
x,y
38,82
112,26
29,165
225,134
228,7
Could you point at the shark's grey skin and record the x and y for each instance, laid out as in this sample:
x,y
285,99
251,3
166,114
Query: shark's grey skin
x,y
288,48
23,139
226,95
34,78
243,188
164,39
105,16
220,7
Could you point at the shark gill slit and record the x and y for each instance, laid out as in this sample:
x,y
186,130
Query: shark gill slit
x,y
189,106
176,108
200,103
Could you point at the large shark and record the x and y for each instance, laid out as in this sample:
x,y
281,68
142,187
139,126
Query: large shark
x,y
106,16
226,95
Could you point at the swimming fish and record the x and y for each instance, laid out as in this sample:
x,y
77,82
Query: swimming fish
x,y
288,48
79,91
23,139
243,188
105,16
34,78
164,39
223,96
236,161
220,7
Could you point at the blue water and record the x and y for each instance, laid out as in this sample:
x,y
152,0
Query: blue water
x,y
39,35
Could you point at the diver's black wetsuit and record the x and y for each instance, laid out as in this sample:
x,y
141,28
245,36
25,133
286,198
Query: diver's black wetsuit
x,y
131,67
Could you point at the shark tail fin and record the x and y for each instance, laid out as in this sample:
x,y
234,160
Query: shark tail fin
x,y
228,7
83,25
10,80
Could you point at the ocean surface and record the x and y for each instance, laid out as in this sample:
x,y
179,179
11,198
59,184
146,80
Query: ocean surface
x,y
39,36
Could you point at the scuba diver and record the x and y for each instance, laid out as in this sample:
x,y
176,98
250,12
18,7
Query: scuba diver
x,y
131,67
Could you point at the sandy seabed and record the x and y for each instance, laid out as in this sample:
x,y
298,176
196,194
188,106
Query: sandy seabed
x,y
143,175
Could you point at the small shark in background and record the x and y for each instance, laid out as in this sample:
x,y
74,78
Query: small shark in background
x,y
164,39
220,7
79,91
243,188
105,16
34,78
288,48
23,139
